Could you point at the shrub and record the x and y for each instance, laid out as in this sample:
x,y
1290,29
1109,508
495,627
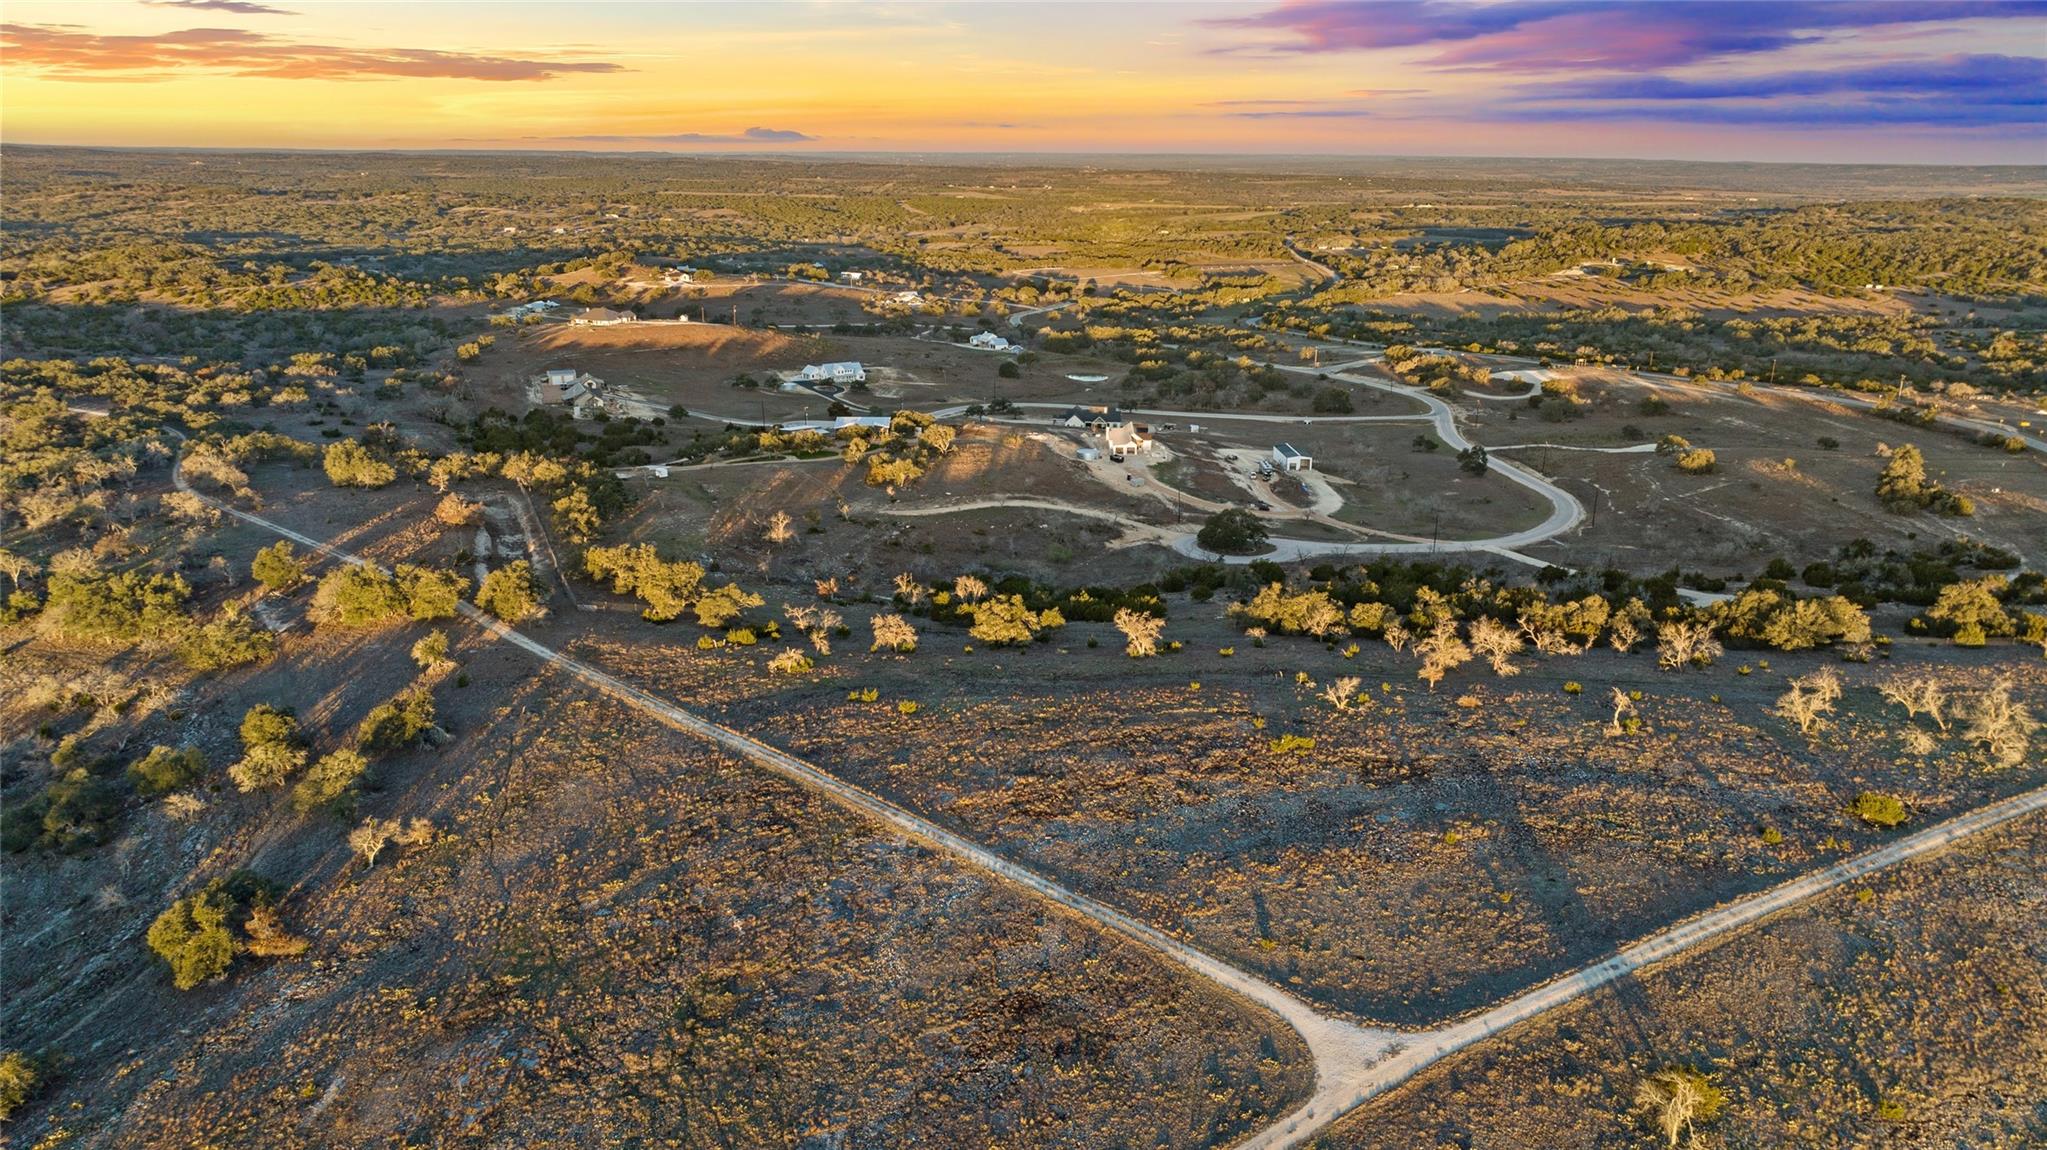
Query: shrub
x,y
230,640
1879,810
350,464
20,1078
270,749
1232,532
1696,461
164,770
396,723
357,595
1574,688
330,780
193,936
790,662
907,707
278,567
431,651
1291,744
510,592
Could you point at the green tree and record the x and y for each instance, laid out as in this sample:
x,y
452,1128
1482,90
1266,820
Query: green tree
x,y
20,1078
428,593
510,592
329,780
1232,532
357,595
194,938
397,723
271,749
230,640
164,770
278,567
1902,486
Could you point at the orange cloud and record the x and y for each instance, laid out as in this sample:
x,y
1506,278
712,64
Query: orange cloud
x,y
65,52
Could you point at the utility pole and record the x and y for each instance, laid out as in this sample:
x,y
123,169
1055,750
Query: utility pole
x,y
1436,531
1596,493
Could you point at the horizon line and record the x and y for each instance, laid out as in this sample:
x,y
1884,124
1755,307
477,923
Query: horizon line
x,y
857,154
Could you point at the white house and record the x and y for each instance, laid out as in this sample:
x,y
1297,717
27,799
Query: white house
x,y
602,317
852,277
909,297
846,372
1290,458
1127,439
989,341
679,276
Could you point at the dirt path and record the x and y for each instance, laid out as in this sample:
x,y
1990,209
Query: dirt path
x,y
1419,1051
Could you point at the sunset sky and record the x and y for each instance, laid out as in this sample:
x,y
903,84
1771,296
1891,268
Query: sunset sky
x,y
1790,80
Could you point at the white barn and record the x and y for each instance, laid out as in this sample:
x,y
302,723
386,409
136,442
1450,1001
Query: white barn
x,y
1290,458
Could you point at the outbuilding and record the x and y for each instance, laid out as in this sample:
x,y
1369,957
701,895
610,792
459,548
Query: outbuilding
x,y
1290,458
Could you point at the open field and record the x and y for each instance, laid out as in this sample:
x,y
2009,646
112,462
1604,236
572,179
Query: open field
x,y
1425,857
1904,1012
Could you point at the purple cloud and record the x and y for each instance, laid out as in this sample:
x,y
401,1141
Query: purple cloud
x,y
1633,35
1981,91
64,52
1997,79
239,7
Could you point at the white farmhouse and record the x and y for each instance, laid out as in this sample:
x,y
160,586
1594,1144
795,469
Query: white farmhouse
x,y
842,373
601,317
989,341
1290,458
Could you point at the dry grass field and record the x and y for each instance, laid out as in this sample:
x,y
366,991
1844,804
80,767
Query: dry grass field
x,y
1431,852
1906,1012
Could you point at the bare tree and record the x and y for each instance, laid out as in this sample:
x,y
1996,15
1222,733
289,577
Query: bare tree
x,y
781,529
1141,632
1810,699
1622,706
369,838
911,590
1397,636
816,624
2001,724
1624,629
1544,637
893,633
1676,1098
1499,643
1686,643
827,588
968,588
1919,695
1342,694
1442,651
